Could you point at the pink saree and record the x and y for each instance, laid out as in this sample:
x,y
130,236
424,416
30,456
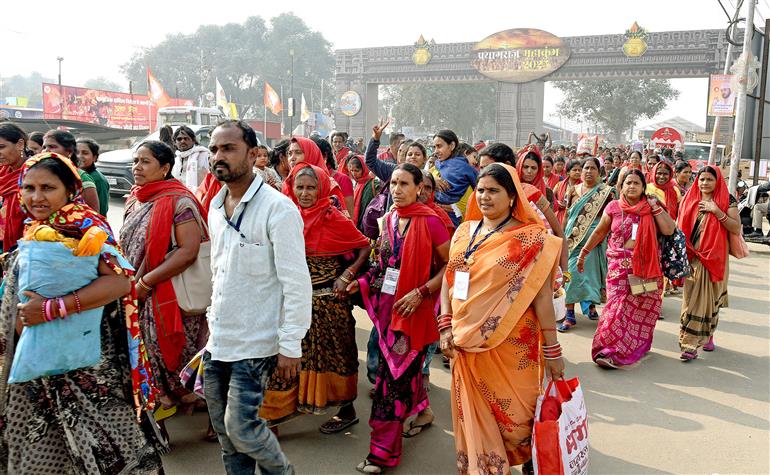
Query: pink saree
x,y
627,324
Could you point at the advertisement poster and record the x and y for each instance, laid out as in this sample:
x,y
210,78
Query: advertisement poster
x,y
721,96
116,110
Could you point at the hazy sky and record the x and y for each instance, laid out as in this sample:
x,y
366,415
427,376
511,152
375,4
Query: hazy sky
x,y
95,37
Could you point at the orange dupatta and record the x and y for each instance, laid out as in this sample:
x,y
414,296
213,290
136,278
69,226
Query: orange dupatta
x,y
508,271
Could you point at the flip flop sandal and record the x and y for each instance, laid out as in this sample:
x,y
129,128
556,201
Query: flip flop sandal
x,y
606,363
408,434
164,412
688,356
566,325
336,424
368,467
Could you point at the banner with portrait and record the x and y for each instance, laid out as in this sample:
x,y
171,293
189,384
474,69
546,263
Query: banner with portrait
x,y
721,96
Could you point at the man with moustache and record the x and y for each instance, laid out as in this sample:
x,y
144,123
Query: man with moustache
x,y
261,303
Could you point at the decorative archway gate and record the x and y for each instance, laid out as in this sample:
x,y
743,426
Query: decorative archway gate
x,y
670,54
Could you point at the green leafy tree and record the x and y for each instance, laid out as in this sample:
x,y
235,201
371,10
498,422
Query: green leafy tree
x,y
615,104
25,86
242,57
468,109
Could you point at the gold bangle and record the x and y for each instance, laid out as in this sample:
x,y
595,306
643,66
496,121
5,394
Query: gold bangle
x,y
141,283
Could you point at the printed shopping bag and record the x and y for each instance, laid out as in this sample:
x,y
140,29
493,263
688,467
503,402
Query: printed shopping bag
x,y
560,433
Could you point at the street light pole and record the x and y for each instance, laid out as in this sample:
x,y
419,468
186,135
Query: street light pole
x,y
61,92
291,89
740,108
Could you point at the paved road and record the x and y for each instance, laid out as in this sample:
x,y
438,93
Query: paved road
x,y
664,416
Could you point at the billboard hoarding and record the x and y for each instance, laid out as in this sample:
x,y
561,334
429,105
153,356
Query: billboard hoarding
x,y
117,110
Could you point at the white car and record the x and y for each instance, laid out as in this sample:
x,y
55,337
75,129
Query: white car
x,y
116,164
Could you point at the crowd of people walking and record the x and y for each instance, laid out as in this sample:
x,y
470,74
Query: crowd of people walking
x,y
239,267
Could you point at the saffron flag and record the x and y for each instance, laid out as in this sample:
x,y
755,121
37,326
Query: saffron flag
x,y
157,94
304,113
222,99
272,100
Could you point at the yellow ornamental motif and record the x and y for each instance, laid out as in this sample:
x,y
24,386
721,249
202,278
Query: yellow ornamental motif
x,y
634,47
421,56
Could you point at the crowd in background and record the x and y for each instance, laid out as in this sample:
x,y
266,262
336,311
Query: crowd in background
x,y
477,252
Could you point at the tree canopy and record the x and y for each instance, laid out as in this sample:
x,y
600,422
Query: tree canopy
x,y
26,86
468,109
103,83
615,104
242,57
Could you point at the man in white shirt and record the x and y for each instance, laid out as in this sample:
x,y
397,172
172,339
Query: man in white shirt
x,y
192,159
261,303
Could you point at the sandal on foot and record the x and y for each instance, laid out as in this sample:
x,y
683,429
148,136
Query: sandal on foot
x,y
337,424
410,432
566,325
710,346
368,467
164,413
688,356
593,315
605,362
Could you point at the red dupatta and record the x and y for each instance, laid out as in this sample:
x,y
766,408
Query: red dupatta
x,y
327,231
168,317
416,260
538,181
552,180
312,157
13,228
644,261
668,189
712,251
312,153
361,182
208,190
341,159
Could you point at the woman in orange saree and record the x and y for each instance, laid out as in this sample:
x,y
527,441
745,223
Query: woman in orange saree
x,y
498,325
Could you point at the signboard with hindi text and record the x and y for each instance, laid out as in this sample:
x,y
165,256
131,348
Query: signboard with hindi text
x,y
519,55
116,110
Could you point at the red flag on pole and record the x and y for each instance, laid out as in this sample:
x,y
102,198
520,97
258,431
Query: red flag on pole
x,y
272,100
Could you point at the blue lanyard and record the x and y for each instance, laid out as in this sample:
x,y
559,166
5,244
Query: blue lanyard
x,y
470,250
237,225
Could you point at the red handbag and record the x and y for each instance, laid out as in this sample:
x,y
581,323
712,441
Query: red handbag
x,y
738,247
